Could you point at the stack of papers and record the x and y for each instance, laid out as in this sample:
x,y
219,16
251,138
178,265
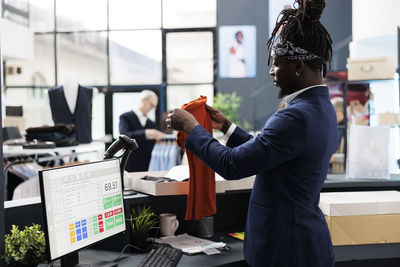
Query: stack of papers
x,y
190,244
178,173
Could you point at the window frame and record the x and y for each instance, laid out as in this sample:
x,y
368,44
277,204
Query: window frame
x,y
108,89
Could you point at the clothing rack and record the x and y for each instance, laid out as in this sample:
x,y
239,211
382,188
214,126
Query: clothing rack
x,y
165,155
36,158
40,160
169,137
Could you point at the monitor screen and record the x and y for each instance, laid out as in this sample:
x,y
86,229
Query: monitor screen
x,y
82,205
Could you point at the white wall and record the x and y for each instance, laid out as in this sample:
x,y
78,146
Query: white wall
x,y
375,18
374,28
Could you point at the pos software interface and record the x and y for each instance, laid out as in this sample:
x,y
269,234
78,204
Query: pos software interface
x,y
82,205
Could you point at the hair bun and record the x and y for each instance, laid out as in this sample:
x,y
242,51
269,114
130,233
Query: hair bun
x,y
311,9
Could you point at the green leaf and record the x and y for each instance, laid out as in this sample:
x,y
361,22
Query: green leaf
x,y
229,105
142,220
26,247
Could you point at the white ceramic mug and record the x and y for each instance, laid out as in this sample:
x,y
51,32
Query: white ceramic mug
x,y
168,224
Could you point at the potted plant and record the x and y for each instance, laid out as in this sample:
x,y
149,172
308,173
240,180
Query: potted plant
x,y
25,247
142,220
229,105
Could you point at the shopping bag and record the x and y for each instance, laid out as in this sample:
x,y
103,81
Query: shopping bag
x,y
368,152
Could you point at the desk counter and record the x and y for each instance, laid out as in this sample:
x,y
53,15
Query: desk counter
x,y
234,254
229,216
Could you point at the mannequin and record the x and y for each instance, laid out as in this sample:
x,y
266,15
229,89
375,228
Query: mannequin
x,y
72,103
71,85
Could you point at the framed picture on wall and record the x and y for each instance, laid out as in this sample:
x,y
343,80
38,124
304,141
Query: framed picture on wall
x,y
237,51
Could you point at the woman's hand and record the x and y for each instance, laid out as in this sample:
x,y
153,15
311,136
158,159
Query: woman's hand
x,y
218,120
181,120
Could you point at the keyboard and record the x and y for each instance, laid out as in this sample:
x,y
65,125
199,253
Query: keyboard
x,y
161,256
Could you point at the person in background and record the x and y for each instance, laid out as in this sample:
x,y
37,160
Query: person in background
x,y
135,124
291,155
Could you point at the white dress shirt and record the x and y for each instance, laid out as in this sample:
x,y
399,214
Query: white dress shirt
x,y
141,117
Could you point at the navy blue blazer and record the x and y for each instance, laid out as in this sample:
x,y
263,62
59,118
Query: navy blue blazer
x,y
130,126
290,158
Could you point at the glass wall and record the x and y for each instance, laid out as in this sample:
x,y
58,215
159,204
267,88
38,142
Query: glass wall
x,y
135,57
82,57
118,46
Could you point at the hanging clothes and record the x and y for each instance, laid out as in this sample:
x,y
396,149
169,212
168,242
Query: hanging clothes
x,y
165,155
26,170
82,116
201,200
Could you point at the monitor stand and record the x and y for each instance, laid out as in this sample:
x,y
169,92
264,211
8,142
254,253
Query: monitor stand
x,y
72,260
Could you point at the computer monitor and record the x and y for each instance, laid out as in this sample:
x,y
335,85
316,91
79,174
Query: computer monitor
x,y
82,205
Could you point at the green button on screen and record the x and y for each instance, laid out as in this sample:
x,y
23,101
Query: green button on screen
x,y
108,202
110,223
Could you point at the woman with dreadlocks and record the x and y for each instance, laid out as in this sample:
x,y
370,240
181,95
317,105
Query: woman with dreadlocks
x,y
290,157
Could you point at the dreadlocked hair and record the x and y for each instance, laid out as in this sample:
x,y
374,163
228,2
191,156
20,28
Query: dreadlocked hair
x,y
300,25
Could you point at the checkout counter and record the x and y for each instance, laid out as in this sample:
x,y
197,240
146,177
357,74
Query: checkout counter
x,y
232,205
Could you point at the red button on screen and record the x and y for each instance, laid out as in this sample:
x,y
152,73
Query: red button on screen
x,y
108,214
117,211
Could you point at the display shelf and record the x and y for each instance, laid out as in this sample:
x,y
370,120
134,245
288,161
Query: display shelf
x,y
385,99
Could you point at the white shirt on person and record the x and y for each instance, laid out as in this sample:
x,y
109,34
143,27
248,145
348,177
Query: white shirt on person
x,y
142,118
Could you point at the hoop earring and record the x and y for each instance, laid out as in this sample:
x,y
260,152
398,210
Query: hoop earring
x,y
298,73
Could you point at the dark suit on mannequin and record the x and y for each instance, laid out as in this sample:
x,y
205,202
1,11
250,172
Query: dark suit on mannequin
x,y
130,125
290,158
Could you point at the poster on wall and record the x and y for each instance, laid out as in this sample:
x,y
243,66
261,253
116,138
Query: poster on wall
x,y
275,7
237,51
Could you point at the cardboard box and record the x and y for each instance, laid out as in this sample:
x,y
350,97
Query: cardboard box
x,y
15,121
371,68
356,218
388,118
233,185
132,180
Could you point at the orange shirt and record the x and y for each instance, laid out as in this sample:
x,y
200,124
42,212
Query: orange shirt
x,y
201,200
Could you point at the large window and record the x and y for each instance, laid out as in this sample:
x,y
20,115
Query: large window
x,y
135,14
82,57
190,57
189,13
135,57
181,94
41,15
38,71
118,46
78,15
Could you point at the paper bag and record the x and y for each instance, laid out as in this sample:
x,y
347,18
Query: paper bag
x,y
368,152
